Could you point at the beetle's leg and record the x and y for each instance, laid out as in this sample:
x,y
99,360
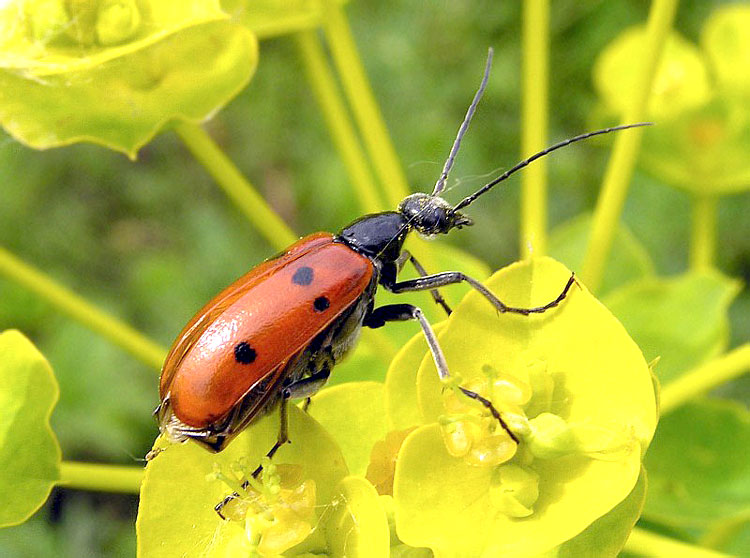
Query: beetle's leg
x,y
436,296
304,387
309,385
280,441
451,277
301,388
283,436
403,312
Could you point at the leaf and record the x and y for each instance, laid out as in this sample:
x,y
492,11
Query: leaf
x,y
401,402
354,415
699,472
447,505
606,536
183,61
628,260
725,41
45,37
681,81
598,379
683,320
703,130
358,526
176,514
29,453
703,149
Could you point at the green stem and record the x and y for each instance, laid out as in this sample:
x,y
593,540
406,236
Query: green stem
x,y
82,311
534,133
366,112
722,532
704,378
368,116
646,543
104,478
236,186
620,167
703,241
344,136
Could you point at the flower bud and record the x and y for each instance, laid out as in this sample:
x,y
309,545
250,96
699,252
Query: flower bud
x,y
459,436
117,21
506,388
514,490
489,451
550,437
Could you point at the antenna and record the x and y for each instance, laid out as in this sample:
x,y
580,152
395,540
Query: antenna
x,y
440,184
469,199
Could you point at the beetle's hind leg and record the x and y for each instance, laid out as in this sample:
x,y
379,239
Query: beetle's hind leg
x,y
403,312
301,388
282,439
296,390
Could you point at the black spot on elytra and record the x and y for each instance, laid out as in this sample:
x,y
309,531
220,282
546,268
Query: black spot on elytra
x,y
321,303
303,276
244,353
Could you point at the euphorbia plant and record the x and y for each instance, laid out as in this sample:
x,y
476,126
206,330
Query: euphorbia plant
x,y
571,385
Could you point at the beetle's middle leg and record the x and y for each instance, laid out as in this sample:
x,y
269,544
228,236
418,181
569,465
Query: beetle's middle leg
x,y
403,312
436,295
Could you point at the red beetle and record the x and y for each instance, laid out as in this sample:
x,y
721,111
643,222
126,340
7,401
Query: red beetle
x,y
276,333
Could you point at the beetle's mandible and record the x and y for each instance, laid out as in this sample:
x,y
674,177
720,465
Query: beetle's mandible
x,y
277,332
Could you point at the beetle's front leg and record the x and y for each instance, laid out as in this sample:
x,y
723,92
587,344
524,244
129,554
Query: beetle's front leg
x,y
403,312
430,282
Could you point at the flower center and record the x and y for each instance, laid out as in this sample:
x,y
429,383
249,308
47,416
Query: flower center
x,y
278,509
527,402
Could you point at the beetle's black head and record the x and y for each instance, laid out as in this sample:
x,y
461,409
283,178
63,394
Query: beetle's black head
x,y
430,215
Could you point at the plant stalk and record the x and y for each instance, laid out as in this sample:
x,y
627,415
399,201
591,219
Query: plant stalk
x,y
344,136
703,241
704,378
368,116
76,307
101,478
627,144
534,102
237,187
646,543
362,100
723,531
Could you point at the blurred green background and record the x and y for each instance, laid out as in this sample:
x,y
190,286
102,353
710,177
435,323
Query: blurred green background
x,y
151,241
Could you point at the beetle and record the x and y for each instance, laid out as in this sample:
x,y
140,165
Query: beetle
x,y
277,332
